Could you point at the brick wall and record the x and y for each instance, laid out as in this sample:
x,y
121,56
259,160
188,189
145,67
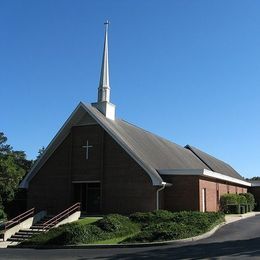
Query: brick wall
x,y
214,190
125,187
183,194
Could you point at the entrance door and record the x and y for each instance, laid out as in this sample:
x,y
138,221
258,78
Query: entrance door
x,y
89,196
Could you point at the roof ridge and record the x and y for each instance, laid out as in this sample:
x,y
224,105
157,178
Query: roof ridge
x,y
190,149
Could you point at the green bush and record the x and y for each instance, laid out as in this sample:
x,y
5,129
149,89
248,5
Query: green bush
x,y
179,225
152,226
242,199
2,214
242,209
228,199
111,226
233,209
250,200
116,225
163,232
151,217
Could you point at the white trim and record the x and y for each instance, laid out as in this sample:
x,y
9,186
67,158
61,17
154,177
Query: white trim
x,y
203,172
221,176
85,181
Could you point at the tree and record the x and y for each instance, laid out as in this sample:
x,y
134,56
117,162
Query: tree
x,y
40,153
257,178
13,166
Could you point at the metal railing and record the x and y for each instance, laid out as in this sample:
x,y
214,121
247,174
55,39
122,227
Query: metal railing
x,y
17,220
64,214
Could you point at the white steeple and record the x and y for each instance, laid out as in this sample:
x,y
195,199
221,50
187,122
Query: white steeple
x,y
104,88
103,103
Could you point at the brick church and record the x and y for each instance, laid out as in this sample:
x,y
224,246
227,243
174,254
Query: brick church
x,y
112,166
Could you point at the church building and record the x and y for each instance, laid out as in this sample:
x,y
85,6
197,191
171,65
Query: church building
x,y
112,166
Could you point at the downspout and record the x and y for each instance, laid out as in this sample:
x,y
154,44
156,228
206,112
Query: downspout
x,y
163,184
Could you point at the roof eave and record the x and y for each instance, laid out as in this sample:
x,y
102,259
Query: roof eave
x,y
204,172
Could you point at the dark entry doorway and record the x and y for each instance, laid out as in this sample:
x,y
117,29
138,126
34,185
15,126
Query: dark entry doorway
x,y
89,196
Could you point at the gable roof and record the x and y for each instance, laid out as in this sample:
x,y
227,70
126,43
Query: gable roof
x,y
215,164
150,151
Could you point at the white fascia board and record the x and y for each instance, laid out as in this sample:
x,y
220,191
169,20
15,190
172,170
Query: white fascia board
x,y
221,176
204,172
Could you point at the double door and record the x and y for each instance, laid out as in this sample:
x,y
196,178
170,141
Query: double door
x,y
89,196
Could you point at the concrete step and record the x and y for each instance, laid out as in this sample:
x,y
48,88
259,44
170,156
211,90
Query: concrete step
x,y
21,236
30,230
15,239
28,233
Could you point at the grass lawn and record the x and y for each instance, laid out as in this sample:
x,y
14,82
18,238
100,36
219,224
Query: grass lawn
x,y
113,241
88,220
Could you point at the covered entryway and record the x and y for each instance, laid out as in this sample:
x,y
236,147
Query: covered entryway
x,y
88,193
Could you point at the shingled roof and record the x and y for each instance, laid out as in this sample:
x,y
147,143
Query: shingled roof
x,y
215,164
151,152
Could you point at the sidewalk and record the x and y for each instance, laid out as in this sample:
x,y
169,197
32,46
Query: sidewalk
x,y
5,244
235,217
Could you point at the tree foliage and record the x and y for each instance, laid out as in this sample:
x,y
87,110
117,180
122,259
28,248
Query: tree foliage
x,y
256,178
13,166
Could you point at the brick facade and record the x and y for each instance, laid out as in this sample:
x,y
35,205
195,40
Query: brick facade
x,y
124,185
123,182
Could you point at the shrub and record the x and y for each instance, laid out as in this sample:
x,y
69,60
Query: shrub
x,y
179,225
116,224
233,209
2,214
250,199
111,226
144,218
242,199
228,199
163,232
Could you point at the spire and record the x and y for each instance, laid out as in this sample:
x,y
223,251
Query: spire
x,y
104,88
103,103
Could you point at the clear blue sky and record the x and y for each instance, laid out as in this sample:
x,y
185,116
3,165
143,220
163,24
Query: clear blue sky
x,y
186,70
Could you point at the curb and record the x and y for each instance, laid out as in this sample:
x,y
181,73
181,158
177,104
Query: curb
x,y
151,244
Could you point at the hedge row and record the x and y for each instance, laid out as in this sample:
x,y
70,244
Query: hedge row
x,y
237,203
165,225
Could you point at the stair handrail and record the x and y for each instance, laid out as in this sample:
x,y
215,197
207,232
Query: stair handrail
x,y
19,218
65,213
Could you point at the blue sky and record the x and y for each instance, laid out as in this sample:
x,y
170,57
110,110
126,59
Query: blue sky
x,y
185,70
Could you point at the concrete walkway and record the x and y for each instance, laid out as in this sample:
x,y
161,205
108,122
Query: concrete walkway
x,y
235,217
5,244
